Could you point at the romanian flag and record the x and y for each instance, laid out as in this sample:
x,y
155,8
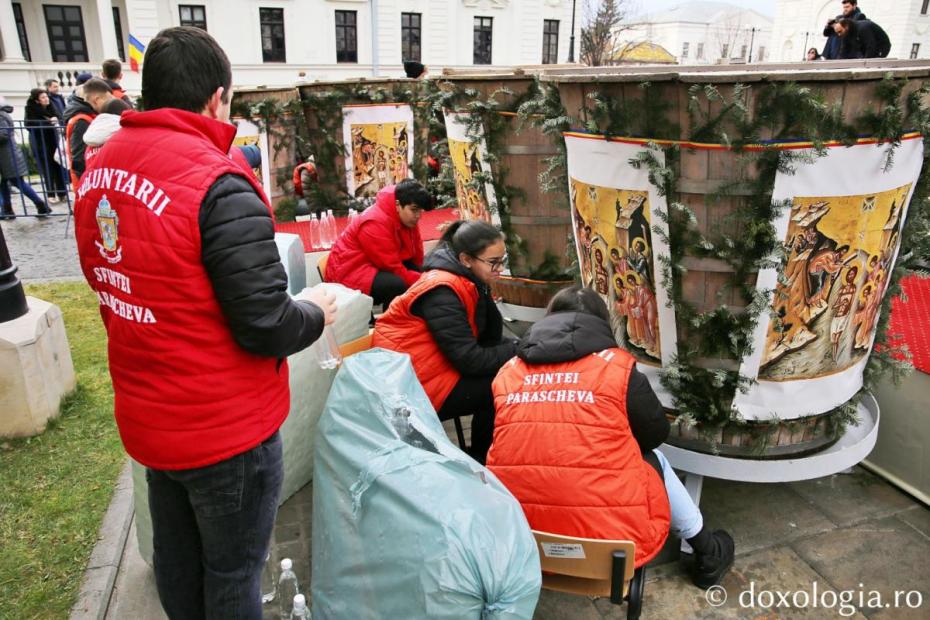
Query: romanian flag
x,y
136,51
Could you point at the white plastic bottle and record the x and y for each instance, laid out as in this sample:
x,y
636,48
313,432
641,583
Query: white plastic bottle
x,y
300,609
328,354
315,240
287,588
331,226
269,583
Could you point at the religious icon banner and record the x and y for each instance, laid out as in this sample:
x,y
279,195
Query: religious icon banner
x,y
248,134
841,236
468,151
615,218
379,146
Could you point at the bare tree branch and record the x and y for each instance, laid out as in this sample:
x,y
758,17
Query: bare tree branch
x,y
603,25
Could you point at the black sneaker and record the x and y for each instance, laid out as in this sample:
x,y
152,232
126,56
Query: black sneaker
x,y
43,211
708,569
6,215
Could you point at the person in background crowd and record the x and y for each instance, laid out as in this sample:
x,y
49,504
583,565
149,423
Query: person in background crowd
x,y
831,51
78,116
42,121
861,39
112,73
177,241
415,70
813,54
54,95
13,167
381,252
452,329
575,438
104,125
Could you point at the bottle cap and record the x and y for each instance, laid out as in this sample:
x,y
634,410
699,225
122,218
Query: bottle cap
x,y
286,564
300,601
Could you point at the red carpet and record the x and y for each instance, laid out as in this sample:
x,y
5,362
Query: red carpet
x,y
429,223
911,320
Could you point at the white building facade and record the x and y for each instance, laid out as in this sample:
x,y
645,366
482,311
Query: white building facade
x,y
705,33
283,42
799,25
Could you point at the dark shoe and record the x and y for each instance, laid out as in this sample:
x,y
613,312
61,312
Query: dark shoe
x,y
43,211
7,215
709,568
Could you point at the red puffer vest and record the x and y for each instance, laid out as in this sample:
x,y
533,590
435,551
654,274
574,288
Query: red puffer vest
x,y
348,264
563,447
186,395
401,330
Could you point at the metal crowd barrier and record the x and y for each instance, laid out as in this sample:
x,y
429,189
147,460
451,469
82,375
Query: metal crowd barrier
x,y
42,146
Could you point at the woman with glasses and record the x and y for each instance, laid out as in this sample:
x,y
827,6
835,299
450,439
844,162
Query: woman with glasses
x,y
451,328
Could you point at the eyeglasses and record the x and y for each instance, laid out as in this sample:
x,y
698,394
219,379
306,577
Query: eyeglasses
x,y
496,264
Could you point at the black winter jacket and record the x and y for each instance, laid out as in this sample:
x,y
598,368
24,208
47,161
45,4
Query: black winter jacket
x,y
242,262
568,336
448,323
76,106
865,39
831,51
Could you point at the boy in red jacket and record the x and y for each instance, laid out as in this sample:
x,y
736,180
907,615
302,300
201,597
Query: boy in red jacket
x,y
381,252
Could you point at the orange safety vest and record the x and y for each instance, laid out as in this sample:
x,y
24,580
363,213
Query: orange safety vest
x,y
69,128
563,446
400,330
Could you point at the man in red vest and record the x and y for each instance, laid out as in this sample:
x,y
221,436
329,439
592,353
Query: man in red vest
x,y
177,240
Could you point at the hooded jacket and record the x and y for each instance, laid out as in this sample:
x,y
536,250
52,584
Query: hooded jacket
x,y
12,161
449,325
569,408
78,116
176,238
375,241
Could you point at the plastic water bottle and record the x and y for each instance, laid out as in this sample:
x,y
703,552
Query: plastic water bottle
x,y
269,583
287,588
315,232
328,354
300,609
331,225
326,230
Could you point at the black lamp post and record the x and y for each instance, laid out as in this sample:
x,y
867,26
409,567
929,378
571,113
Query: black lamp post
x,y
752,39
571,39
12,298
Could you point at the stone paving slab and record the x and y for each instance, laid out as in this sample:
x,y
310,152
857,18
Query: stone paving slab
x,y
848,498
40,249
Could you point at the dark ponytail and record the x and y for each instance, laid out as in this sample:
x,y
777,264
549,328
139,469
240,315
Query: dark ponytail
x,y
578,299
470,237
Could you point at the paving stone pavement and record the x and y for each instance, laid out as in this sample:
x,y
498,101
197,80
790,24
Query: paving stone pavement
x,y
845,533
40,249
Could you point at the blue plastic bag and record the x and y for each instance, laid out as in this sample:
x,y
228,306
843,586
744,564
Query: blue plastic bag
x,y
405,525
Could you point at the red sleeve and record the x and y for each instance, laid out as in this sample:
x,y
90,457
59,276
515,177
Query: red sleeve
x,y
380,248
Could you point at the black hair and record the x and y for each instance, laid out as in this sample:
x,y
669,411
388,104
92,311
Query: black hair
x,y
34,94
117,106
112,68
846,22
410,191
182,68
50,81
413,69
96,86
470,237
578,299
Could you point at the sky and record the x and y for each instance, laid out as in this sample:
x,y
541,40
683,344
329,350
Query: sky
x,y
766,7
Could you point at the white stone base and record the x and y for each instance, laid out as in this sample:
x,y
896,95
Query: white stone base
x,y
35,369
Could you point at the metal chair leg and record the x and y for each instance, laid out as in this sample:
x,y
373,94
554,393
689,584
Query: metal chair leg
x,y
460,433
635,596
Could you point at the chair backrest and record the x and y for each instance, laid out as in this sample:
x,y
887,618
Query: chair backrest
x,y
583,565
354,346
321,266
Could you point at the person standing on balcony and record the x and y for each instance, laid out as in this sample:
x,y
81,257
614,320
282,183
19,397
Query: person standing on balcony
x,y
831,51
177,240
42,121
13,167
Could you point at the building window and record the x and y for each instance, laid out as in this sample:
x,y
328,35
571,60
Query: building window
x,y
915,49
272,25
118,28
193,15
923,7
482,40
66,33
346,36
725,50
742,52
410,36
21,30
760,56
700,51
550,41
684,49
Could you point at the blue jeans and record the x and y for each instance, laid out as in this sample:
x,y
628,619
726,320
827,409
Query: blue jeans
x,y
22,185
686,516
211,531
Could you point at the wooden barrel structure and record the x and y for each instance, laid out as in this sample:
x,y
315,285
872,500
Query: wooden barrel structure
x,y
702,172
281,136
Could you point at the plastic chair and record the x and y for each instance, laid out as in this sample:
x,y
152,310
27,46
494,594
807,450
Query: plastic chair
x,y
352,347
321,266
592,567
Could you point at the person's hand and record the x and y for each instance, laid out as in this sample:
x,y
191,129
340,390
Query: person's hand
x,y
326,301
